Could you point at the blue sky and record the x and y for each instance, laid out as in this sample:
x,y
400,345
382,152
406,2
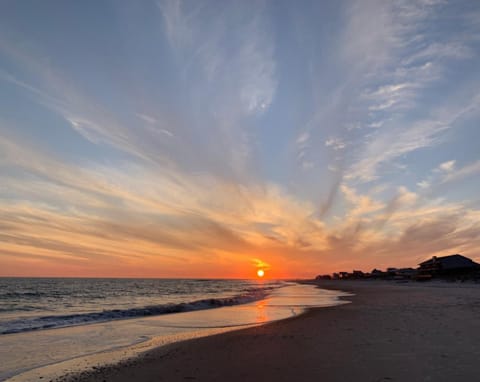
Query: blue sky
x,y
202,138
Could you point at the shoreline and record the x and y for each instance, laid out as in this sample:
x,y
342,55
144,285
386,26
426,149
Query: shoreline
x,y
49,354
389,332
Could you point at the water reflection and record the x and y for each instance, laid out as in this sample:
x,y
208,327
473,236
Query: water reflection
x,y
261,312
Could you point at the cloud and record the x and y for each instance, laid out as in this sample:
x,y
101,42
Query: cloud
x,y
362,204
171,175
247,73
447,172
386,146
424,184
101,206
405,197
398,64
447,166
176,21
398,96
445,50
376,125
147,118
335,143
261,264
461,173
229,74
390,89
109,219
303,139
376,85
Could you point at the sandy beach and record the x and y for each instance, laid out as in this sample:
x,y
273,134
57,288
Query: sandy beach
x,y
390,332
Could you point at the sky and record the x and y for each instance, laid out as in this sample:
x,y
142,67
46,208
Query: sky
x,y
213,138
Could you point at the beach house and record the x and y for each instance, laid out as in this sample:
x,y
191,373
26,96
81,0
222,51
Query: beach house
x,y
453,265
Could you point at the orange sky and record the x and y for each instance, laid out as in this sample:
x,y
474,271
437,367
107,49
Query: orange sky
x,y
272,232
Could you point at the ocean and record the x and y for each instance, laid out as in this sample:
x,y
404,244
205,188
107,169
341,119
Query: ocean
x,y
49,325
43,303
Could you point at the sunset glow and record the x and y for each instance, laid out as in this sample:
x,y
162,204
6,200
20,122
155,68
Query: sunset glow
x,y
215,139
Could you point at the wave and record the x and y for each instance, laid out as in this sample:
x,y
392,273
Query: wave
x,y
60,321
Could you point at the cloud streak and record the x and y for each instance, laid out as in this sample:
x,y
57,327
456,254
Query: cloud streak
x,y
205,140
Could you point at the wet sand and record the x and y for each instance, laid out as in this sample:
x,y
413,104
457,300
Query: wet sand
x,y
390,332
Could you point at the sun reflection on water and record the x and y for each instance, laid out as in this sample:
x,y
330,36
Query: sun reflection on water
x,y
261,313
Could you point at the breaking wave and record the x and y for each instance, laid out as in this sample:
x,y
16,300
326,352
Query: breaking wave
x,y
59,321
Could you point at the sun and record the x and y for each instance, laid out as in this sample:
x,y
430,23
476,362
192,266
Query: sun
x,y
260,273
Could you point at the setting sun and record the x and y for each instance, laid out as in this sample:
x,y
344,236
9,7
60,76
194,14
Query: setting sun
x,y
260,273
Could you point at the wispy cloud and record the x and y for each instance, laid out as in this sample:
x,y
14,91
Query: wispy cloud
x,y
111,220
388,145
247,73
447,166
461,173
210,138
335,143
406,64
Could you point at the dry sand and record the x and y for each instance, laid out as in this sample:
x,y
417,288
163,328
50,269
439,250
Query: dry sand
x,y
390,332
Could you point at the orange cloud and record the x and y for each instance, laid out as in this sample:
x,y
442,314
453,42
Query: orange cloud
x,y
174,224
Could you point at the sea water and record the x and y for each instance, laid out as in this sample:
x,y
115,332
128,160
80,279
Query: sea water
x,y
49,321
28,304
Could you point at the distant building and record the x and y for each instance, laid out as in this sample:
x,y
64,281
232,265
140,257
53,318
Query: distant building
x,y
376,274
323,277
391,271
406,273
357,274
452,265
